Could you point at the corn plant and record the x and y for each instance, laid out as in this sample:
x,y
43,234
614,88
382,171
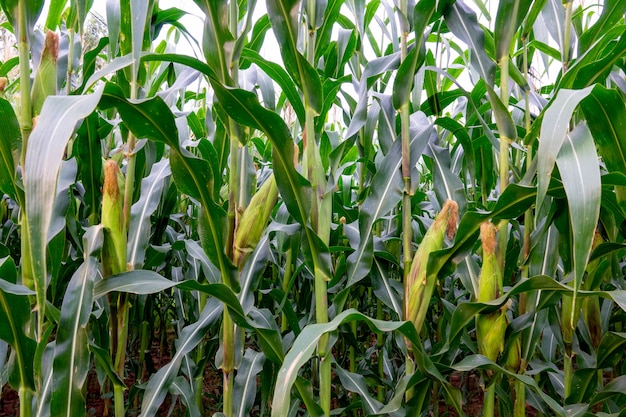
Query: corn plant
x,y
343,207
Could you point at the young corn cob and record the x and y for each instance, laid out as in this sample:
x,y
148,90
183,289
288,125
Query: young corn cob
x,y
3,85
490,327
419,286
253,220
115,239
45,83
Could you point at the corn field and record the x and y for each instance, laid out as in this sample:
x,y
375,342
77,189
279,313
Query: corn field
x,y
340,207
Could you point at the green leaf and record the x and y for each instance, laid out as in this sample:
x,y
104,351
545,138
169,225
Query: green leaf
x,y
15,315
554,127
46,147
71,352
153,119
611,347
138,14
145,282
280,76
246,382
306,342
612,13
405,75
10,137
463,23
357,383
217,41
150,195
481,362
88,150
180,387
509,18
284,19
29,10
580,173
606,116
53,21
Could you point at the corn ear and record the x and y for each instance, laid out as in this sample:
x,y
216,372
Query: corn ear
x,y
253,220
115,239
3,85
514,355
490,327
419,286
45,83
596,271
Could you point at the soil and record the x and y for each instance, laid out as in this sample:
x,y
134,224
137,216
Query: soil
x,y
97,406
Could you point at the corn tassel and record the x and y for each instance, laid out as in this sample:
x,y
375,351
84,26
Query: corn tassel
x,y
115,239
420,286
490,327
45,83
253,220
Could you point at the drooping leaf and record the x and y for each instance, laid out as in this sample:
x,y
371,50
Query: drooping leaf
x,y
46,147
306,342
580,172
553,131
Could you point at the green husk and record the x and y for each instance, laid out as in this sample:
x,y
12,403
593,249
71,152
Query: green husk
x,y
490,327
45,83
115,239
253,220
419,285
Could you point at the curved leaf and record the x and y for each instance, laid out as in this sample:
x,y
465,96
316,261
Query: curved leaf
x,y
305,344
580,172
46,147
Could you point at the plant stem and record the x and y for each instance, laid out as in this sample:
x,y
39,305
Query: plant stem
x,y
567,35
519,408
489,402
26,400
568,373
228,362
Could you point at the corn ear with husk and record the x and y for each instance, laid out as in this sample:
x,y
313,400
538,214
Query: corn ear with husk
x,y
115,238
3,85
45,83
419,286
490,327
253,220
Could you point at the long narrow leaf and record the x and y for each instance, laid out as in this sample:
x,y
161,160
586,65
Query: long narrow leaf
x,y
71,352
46,147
